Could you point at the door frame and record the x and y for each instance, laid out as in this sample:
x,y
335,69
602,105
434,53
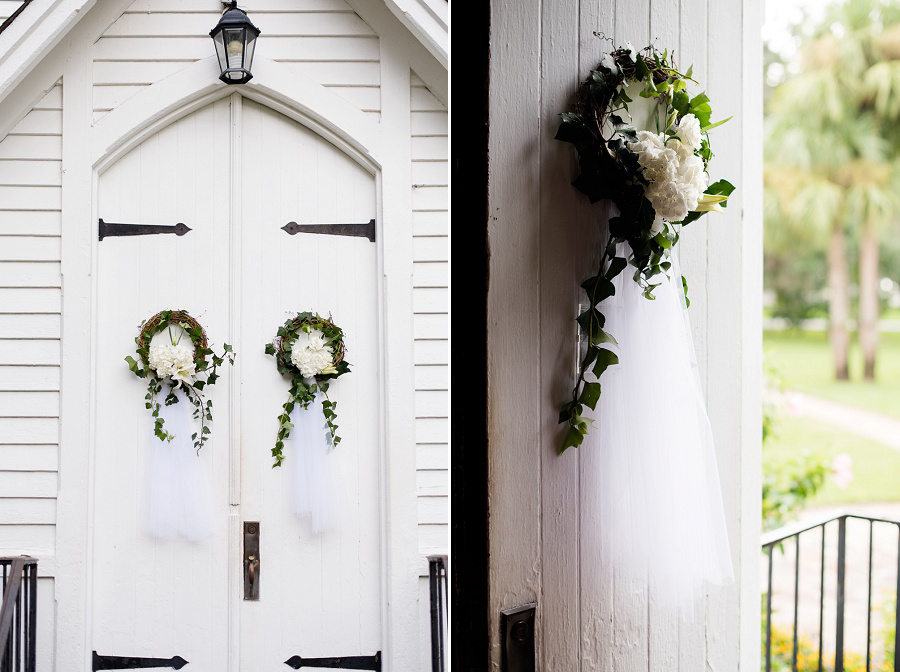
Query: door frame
x,y
85,157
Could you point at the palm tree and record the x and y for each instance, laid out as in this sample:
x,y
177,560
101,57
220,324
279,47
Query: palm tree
x,y
833,123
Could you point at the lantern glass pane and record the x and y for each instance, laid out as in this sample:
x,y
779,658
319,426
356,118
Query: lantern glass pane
x,y
234,47
248,51
220,51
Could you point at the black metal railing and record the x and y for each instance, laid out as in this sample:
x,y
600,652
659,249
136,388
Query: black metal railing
x,y
437,579
18,614
777,538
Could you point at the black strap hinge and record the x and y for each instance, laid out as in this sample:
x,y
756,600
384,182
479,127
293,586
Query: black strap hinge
x,y
366,230
110,229
338,663
135,663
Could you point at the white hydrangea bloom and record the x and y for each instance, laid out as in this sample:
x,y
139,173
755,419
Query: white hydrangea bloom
x,y
658,225
669,200
310,354
657,161
175,361
688,131
676,175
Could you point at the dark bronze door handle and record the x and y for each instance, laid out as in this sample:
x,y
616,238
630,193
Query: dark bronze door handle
x,y
251,560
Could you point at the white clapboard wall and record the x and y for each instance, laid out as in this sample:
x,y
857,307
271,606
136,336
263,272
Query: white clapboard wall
x,y
324,41
544,238
430,305
30,299
431,279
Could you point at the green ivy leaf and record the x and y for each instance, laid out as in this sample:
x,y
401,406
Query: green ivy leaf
x,y
566,413
573,130
601,336
721,187
573,439
703,113
598,288
699,99
590,395
641,70
605,359
684,286
615,267
591,321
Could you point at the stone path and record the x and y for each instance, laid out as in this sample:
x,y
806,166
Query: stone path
x,y
874,426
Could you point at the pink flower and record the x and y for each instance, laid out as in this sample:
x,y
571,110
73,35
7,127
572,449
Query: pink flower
x,y
842,470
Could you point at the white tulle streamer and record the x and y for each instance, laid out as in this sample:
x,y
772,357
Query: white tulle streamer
x,y
314,471
661,518
177,491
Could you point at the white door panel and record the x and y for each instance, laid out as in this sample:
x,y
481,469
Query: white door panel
x,y
321,598
235,172
158,598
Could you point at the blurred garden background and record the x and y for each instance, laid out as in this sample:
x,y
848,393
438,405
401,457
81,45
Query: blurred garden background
x,y
832,302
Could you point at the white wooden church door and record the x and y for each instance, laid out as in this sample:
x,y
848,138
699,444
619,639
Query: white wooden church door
x,y
236,172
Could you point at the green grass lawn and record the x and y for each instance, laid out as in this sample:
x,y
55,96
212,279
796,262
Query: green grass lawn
x,y
803,361
876,469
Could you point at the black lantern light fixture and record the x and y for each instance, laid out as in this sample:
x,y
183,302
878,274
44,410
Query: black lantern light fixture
x,y
235,40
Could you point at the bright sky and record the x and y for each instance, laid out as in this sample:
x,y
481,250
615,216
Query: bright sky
x,y
781,15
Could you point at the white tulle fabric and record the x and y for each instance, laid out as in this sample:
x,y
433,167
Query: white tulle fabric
x,y
661,516
177,490
316,483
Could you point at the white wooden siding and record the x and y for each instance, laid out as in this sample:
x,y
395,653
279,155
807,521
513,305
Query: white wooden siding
x,y
30,300
431,321
324,41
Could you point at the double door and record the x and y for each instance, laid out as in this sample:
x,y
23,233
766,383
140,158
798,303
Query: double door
x,y
236,172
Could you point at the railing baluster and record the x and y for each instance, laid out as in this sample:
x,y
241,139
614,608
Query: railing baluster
x,y
437,578
796,598
769,615
839,629
31,659
822,599
897,604
18,631
869,604
18,614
